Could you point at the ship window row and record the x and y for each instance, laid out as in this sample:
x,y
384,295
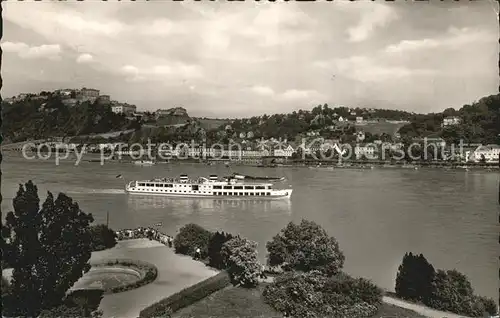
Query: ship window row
x,y
160,185
241,187
180,191
243,193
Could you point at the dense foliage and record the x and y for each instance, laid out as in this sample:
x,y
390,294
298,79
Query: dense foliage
x,y
102,237
240,259
79,303
190,237
305,247
37,119
442,290
414,278
50,249
313,294
186,297
479,123
217,240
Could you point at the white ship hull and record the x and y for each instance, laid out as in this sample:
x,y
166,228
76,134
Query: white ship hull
x,y
207,189
285,195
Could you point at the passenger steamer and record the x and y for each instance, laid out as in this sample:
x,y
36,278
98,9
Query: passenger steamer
x,y
213,187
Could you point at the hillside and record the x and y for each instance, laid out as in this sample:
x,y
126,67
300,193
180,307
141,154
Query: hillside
x,y
209,124
479,123
380,128
38,119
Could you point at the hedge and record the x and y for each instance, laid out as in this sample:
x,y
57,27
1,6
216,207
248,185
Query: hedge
x,y
187,296
148,272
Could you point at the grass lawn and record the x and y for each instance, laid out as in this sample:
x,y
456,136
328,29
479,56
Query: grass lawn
x,y
234,302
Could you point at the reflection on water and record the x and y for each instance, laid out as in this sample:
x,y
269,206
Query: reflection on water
x,y
146,202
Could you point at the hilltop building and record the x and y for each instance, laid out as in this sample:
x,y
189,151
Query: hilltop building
x,y
124,108
88,94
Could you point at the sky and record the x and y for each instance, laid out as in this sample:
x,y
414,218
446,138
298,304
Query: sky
x,y
239,59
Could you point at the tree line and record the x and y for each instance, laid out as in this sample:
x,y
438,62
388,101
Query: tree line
x,y
48,248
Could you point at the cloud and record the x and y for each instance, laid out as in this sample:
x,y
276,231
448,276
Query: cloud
x,y
454,38
373,16
370,69
216,56
23,50
263,90
74,22
294,94
84,58
159,27
162,72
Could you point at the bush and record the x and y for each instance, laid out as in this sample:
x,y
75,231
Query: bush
x,y
414,278
215,259
240,259
186,296
296,294
102,237
442,290
453,292
192,236
79,303
352,290
305,247
313,294
489,306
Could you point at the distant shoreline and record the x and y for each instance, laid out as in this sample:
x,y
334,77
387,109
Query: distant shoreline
x,y
309,163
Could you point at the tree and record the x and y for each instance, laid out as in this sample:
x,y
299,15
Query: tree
x,y
453,292
23,225
415,278
215,258
52,247
305,247
102,237
240,257
190,237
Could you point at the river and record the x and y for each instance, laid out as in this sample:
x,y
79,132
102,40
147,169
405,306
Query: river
x,y
451,216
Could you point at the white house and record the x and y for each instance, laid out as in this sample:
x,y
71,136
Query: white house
x,y
283,151
489,152
367,151
451,121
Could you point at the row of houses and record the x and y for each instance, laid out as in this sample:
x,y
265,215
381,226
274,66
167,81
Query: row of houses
x,y
274,148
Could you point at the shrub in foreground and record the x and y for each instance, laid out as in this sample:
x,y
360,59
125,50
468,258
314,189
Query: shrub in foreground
x,y
442,290
215,258
79,303
415,277
187,296
453,292
102,237
305,247
190,237
240,257
313,294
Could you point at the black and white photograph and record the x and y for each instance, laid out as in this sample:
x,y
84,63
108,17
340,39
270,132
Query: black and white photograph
x,y
241,159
